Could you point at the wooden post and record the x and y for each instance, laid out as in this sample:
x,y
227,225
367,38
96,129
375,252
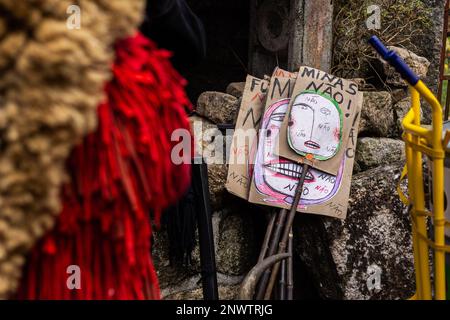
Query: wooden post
x,y
311,46
290,33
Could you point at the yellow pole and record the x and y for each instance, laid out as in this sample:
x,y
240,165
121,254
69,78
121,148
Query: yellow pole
x,y
438,192
411,183
419,203
431,145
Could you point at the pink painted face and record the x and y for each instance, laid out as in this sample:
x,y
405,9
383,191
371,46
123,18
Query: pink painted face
x,y
277,177
315,126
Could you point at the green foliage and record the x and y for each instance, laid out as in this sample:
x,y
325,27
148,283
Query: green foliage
x,y
403,24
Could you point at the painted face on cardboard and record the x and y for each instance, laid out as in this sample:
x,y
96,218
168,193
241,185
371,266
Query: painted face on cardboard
x,y
315,125
277,177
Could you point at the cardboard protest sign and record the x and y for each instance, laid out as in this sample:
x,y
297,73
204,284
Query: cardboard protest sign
x,y
275,178
345,94
280,89
257,173
245,134
315,125
274,181
281,86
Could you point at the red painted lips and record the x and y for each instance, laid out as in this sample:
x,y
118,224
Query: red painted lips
x,y
312,144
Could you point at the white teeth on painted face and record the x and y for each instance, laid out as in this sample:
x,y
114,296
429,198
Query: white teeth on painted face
x,y
288,169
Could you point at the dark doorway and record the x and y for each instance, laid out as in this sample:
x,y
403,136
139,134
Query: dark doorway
x,y
227,29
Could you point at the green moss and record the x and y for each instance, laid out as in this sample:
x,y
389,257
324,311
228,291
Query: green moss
x,y
403,23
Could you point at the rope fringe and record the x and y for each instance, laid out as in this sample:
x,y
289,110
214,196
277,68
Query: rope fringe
x,y
119,175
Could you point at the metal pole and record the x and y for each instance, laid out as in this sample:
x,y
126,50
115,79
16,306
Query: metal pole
x,y
288,225
265,245
290,269
262,285
205,231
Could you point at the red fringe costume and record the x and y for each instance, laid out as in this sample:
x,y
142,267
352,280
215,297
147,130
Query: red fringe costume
x,y
122,177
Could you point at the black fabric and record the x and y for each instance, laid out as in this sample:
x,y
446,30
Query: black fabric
x,y
181,223
173,26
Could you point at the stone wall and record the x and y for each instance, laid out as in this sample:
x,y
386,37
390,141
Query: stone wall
x,y
413,25
236,244
333,259
375,239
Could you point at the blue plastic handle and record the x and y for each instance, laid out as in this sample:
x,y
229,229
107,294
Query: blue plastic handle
x,y
394,60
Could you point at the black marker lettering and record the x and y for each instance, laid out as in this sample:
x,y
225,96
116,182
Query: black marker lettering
x,y
255,82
